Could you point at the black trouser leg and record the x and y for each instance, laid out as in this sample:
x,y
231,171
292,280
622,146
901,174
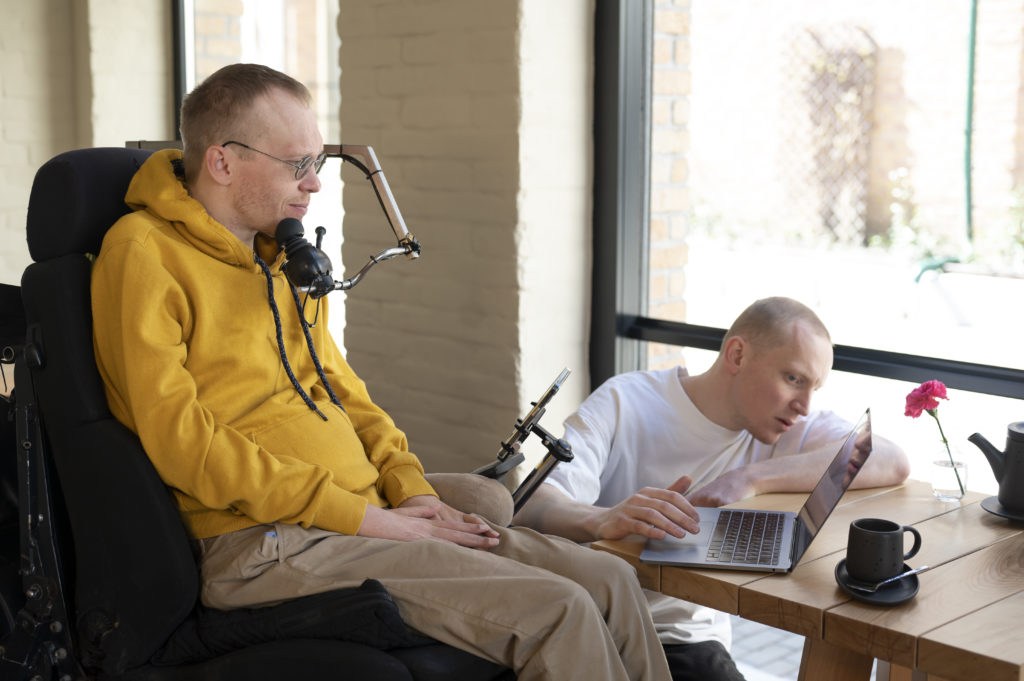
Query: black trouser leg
x,y
704,661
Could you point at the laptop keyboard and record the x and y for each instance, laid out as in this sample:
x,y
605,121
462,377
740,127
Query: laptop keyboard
x,y
753,537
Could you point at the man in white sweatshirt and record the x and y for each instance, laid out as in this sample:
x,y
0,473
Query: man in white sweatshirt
x,y
649,446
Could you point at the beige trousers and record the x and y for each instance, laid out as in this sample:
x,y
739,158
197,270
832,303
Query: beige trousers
x,y
546,607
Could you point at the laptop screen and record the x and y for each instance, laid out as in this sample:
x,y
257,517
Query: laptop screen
x,y
833,484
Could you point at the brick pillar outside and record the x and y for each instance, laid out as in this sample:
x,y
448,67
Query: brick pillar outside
x,y
670,194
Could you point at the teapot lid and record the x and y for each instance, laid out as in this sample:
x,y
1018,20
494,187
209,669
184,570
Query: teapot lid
x,y
1015,431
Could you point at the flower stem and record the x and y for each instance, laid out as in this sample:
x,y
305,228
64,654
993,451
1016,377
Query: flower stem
x,y
934,414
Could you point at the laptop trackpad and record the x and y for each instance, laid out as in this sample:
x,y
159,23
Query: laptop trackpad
x,y
695,540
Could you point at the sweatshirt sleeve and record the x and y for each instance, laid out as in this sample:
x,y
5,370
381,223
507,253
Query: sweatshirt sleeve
x,y
590,431
141,317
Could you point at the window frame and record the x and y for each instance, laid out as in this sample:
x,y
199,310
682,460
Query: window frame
x,y
181,48
622,51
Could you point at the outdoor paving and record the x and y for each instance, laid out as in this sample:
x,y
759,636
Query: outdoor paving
x,y
765,653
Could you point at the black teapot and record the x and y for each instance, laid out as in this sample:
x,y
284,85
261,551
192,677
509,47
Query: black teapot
x,y
1008,466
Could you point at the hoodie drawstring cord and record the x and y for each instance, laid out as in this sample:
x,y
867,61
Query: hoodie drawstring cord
x,y
284,355
309,344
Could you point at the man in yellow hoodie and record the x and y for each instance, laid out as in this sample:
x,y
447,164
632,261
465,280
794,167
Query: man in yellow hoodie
x,y
290,477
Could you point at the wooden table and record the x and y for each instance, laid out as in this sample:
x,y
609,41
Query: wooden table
x,y
966,622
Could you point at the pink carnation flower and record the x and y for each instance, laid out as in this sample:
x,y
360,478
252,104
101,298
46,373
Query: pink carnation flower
x,y
925,397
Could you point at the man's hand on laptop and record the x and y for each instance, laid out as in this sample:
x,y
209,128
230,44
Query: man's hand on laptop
x,y
652,512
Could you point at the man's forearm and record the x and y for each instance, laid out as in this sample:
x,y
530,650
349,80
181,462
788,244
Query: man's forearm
x,y
551,512
887,465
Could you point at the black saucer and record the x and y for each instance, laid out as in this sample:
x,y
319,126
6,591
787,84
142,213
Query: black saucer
x,y
894,593
992,505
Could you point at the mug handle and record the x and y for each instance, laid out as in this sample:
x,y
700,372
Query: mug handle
x,y
917,541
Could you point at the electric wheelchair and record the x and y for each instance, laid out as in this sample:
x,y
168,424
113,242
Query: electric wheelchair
x,y
97,575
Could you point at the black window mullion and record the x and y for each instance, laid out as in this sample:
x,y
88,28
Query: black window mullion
x,y
622,141
980,378
178,47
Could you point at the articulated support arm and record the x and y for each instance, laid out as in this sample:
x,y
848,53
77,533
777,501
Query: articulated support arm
x,y
363,158
509,455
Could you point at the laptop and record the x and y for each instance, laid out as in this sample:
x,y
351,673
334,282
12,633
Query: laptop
x,y
766,541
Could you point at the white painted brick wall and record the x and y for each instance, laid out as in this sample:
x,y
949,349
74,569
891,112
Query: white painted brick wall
x,y
554,234
69,78
479,114
36,112
132,88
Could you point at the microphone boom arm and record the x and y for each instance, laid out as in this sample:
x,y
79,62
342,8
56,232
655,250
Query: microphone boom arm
x,y
363,157
388,254
307,267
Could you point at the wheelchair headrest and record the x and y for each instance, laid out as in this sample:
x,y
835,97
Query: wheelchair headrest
x,y
76,197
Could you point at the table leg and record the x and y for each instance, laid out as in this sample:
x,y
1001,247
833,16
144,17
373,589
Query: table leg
x,y
823,660
894,672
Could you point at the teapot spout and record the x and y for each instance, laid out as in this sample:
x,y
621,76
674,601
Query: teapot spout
x,y
994,456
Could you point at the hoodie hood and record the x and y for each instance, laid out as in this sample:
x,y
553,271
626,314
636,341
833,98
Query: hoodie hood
x,y
159,189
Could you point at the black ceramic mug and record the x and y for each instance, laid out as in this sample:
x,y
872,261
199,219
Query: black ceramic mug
x,y
874,550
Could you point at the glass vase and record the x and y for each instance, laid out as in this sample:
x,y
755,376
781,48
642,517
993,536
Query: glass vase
x,y
944,477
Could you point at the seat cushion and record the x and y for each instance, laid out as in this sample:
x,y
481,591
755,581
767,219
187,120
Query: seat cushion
x,y
364,614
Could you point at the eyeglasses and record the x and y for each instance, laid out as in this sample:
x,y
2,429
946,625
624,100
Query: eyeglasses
x,y
301,166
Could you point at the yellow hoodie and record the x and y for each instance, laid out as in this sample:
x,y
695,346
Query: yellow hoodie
x,y
187,347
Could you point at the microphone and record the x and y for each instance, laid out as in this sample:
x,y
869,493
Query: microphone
x,y
306,266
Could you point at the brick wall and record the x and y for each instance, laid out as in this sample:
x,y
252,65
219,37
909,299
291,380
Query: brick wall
x,y
478,114
293,36
70,78
670,195
132,89
554,203
217,32
37,112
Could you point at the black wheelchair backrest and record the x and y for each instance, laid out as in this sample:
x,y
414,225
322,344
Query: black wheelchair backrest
x,y
76,197
135,577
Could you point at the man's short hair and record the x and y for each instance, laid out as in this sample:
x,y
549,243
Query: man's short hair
x,y
217,109
766,323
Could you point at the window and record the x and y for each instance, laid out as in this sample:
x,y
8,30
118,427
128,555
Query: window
x,y
817,150
297,37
